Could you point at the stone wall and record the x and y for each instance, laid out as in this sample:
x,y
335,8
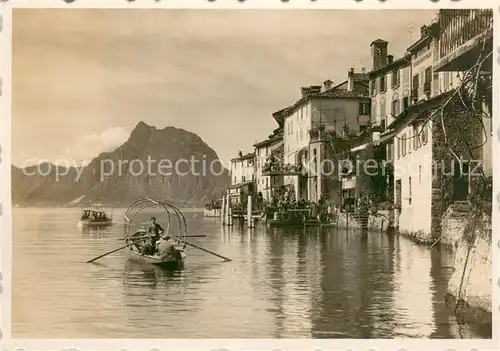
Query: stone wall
x,y
379,222
470,287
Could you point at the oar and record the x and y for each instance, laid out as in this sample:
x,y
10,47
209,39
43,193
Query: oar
x,y
109,253
210,252
187,236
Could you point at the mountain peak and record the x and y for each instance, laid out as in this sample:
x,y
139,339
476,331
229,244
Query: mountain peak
x,y
142,126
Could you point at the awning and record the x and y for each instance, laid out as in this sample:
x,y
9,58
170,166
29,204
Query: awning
x,y
360,147
240,185
383,139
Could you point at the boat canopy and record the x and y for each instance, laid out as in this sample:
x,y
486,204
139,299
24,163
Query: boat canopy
x,y
142,204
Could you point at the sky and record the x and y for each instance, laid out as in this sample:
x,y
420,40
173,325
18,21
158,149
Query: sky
x,y
82,79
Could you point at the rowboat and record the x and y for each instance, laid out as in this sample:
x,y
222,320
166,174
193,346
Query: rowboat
x,y
136,238
94,218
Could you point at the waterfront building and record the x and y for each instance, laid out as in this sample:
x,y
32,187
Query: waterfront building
x,y
466,39
242,177
430,135
336,110
264,151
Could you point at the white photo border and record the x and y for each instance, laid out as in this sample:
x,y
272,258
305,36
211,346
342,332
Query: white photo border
x,y
8,343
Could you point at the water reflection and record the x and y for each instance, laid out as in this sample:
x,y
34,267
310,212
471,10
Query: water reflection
x,y
298,283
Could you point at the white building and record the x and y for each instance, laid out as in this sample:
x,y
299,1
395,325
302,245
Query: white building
x,y
337,109
263,151
413,138
242,177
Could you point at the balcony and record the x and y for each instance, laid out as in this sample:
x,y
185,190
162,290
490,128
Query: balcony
x,y
276,167
463,33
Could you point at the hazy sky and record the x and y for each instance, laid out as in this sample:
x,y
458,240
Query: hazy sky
x,y
82,79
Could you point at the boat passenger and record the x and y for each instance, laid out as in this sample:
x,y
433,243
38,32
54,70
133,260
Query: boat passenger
x,y
165,246
149,247
155,230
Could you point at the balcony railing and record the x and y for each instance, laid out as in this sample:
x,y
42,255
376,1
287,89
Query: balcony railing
x,y
460,26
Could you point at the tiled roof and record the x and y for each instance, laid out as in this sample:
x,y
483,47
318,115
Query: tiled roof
x,y
420,109
244,157
340,94
268,141
334,93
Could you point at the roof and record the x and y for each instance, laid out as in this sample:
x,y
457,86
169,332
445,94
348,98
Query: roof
x,y
415,111
399,63
244,157
379,41
272,140
334,93
432,31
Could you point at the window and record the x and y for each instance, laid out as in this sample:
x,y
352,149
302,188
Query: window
x,y
362,128
406,103
383,84
415,84
382,124
403,145
373,87
416,138
395,108
301,112
390,151
410,139
243,178
409,190
424,134
364,108
420,174
235,180
395,78
427,79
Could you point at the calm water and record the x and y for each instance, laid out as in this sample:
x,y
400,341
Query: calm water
x,y
294,284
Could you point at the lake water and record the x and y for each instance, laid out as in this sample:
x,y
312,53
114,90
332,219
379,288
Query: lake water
x,y
314,283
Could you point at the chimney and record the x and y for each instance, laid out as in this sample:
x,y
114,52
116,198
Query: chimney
x,y
390,59
314,89
350,80
327,84
379,53
423,31
305,91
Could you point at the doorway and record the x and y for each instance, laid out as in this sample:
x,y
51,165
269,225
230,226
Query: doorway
x,y
460,181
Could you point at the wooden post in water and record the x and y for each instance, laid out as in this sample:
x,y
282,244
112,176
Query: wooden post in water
x,y
229,213
223,210
249,212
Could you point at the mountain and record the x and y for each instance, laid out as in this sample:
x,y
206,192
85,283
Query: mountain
x,y
171,164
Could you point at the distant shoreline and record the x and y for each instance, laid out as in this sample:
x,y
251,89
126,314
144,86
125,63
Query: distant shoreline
x,y
103,207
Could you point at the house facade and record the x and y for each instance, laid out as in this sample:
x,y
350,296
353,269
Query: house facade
x,y
465,39
242,177
336,110
431,156
264,151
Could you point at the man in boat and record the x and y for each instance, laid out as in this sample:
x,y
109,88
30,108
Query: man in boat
x,y
166,246
155,230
